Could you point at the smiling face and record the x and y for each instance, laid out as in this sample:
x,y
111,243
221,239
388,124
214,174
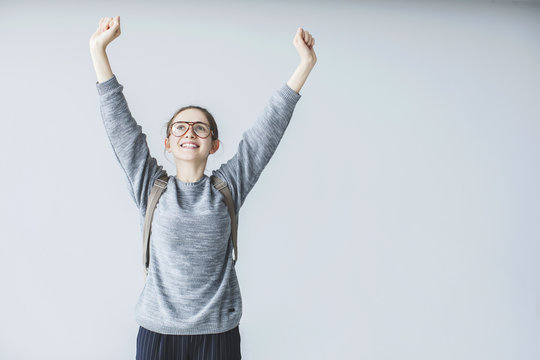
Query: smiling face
x,y
204,147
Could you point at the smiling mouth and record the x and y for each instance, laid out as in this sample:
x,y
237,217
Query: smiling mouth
x,y
189,147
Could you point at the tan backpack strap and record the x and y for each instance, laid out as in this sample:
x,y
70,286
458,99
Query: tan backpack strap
x,y
157,189
224,189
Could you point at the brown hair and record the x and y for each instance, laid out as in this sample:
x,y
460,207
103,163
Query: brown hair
x,y
209,117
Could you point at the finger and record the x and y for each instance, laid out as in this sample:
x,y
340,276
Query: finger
x,y
104,24
300,33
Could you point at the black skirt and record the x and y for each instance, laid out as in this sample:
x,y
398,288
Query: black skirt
x,y
220,346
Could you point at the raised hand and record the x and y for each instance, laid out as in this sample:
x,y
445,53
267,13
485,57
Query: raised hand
x,y
303,42
108,30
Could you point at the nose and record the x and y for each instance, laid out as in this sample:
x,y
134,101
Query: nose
x,y
190,132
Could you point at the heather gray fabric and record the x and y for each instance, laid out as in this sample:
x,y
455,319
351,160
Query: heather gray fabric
x,y
191,286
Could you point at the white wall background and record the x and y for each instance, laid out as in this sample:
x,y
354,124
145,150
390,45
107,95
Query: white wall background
x,y
398,219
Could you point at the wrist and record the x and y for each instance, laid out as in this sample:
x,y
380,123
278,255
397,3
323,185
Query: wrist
x,y
307,63
97,48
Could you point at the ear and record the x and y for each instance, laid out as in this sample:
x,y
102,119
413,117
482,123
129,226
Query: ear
x,y
167,145
215,146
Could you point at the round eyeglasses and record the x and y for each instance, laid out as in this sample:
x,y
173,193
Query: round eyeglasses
x,y
201,129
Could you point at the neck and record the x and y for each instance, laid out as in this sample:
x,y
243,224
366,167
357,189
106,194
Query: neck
x,y
189,171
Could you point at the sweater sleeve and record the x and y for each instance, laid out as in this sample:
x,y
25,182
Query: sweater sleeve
x,y
128,142
258,144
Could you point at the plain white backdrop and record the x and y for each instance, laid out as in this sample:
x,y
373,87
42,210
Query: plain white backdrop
x,y
398,218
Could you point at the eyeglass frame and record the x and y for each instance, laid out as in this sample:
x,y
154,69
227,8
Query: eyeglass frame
x,y
190,126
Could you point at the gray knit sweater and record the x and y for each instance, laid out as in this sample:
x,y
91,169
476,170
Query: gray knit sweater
x,y
191,286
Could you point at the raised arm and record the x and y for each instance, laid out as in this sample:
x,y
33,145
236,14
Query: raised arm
x,y
259,143
108,30
303,42
125,135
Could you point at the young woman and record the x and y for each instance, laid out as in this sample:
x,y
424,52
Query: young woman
x,y
190,307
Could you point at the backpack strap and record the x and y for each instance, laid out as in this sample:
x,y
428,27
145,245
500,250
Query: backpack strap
x,y
224,189
158,188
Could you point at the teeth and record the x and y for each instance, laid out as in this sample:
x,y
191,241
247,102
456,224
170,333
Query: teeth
x,y
189,145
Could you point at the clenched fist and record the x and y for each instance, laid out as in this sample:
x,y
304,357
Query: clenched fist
x,y
108,30
303,42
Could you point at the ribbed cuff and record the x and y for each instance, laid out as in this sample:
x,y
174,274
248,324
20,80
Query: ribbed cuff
x,y
107,85
289,94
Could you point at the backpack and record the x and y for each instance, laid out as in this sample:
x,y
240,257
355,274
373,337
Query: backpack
x,y
158,188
